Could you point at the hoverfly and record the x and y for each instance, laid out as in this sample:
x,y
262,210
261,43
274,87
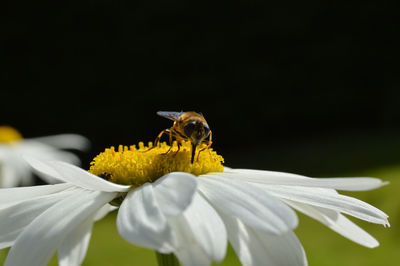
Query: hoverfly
x,y
187,126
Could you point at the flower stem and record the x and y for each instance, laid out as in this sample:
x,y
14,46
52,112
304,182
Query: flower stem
x,y
166,259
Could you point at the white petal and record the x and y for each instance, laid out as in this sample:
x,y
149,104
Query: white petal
x,y
81,178
73,248
65,141
256,248
174,192
141,221
43,168
3,151
45,152
206,227
58,155
15,170
252,205
187,249
15,217
280,178
103,211
14,195
39,240
192,255
8,176
338,223
326,199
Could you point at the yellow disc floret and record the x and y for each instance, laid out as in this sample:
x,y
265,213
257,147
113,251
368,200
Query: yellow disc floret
x,y
138,165
9,134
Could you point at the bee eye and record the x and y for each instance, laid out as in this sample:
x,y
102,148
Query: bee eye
x,y
188,128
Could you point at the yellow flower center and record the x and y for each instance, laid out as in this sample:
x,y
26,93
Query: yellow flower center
x,y
9,134
138,165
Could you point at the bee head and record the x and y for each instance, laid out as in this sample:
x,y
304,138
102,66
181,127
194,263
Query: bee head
x,y
196,131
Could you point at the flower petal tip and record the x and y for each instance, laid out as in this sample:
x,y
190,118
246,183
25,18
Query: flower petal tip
x,y
371,245
386,224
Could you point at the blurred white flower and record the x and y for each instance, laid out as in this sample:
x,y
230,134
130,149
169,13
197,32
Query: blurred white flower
x,y
13,169
192,216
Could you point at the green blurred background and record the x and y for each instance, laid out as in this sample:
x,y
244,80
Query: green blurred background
x,y
304,87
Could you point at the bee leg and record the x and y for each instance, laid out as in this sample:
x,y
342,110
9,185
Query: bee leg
x,y
179,147
202,149
157,140
206,147
170,142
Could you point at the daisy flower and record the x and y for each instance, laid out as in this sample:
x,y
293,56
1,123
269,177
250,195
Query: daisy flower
x,y
13,169
172,206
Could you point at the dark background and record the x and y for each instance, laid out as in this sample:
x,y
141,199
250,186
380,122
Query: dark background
x,y
310,87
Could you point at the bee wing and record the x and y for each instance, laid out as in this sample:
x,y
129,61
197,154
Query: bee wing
x,y
170,115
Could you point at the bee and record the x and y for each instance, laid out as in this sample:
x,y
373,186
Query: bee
x,y
190,126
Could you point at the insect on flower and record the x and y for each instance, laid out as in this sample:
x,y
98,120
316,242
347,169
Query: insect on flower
x,y
190,126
